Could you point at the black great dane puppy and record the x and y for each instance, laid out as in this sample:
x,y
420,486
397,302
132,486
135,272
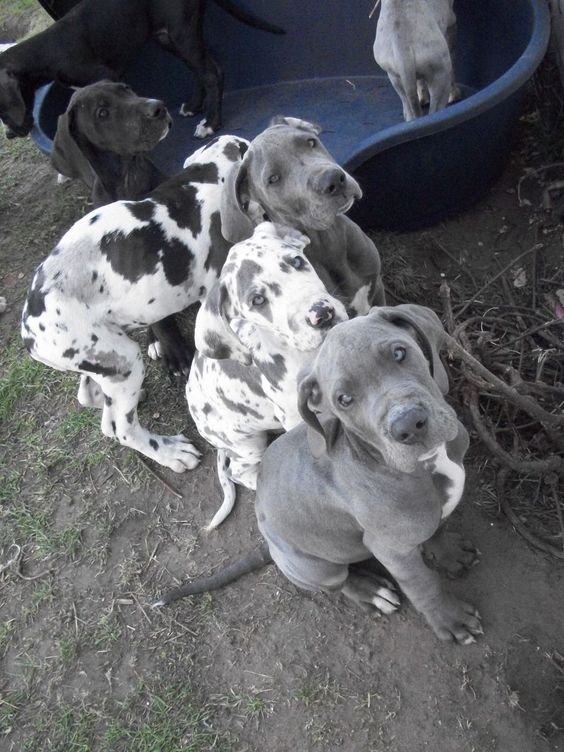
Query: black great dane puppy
x,y
99,39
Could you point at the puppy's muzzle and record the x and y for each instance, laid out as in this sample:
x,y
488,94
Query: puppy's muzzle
x,y
19,131
332,182
409,425
155,109
320,315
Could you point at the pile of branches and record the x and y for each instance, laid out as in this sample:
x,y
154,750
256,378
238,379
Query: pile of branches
x,y
507,359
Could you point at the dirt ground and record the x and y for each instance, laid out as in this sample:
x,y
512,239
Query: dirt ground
x,y
85,665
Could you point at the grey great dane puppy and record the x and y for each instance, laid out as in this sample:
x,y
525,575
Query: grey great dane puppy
x,y
288,177
271,312
415,44
372,472
103,139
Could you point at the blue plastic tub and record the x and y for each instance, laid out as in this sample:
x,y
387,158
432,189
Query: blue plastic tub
x,y
322,69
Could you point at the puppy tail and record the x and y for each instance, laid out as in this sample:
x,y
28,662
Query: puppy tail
x,y
248,563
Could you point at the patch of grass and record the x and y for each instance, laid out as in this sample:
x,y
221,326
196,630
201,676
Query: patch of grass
x,y
10,483
68,648
107,631
171,722
77,422
15,148
42,595
10,704
318,689
69,729
22,378
29,17
36,527
253,705
7,628
163,719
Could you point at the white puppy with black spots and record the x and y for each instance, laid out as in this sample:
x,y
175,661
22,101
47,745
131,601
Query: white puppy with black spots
x,y
261,323
124,266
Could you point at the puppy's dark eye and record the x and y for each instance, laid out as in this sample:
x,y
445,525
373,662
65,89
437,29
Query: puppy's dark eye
x,y
103,113
273,179
399,353
345,400
312,142
258,300
298,262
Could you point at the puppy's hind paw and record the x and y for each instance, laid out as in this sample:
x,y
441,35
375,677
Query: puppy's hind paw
x,y
450,553
371,592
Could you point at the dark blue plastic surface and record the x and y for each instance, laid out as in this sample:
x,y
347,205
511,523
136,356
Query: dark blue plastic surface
x,y
323,70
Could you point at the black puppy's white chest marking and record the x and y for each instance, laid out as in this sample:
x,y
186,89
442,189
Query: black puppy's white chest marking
x,y
452,474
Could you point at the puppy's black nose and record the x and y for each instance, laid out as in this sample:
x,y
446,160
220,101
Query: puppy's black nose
x,y
410,426
154,108
332,181
320,314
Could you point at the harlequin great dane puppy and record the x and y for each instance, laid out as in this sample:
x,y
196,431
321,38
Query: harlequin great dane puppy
x,y
124,266
270,311
373,471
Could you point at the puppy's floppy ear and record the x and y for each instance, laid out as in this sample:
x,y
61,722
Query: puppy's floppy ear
x,y
321,434
429,334
12,97
293,122
213,335
292,237
236,222
67,157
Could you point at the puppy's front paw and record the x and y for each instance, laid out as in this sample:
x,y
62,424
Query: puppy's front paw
x,y
189,110
154,350
203,130
455,620
371,592
451,553
178,453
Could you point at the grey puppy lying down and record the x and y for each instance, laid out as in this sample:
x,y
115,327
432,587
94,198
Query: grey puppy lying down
x,y
373,471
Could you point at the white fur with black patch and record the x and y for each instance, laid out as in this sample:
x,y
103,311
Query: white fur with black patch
x,y
123,266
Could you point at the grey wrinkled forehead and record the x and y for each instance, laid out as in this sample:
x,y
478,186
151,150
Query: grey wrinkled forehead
x,y
283,140
352,346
